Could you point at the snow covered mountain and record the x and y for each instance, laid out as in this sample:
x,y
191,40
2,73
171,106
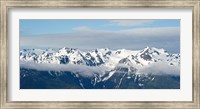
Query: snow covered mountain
x,y
107,68
98,57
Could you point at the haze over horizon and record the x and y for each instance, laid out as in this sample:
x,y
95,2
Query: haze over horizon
x,y
92,34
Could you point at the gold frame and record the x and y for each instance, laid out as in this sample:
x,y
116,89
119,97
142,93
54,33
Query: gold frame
x,y
6,4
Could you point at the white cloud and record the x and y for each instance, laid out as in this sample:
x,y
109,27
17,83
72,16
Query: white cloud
x,y
160,68
131,22
85,71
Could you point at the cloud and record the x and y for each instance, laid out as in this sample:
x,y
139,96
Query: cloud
x,y
85,71
160,68
87,38
131,22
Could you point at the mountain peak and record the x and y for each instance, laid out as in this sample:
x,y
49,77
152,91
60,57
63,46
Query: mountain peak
x,y
67,48
151,50
102,49
147,48
64,48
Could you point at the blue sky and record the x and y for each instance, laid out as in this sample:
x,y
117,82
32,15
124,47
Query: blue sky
x,y
91,34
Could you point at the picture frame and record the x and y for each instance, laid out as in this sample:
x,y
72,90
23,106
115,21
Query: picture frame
x,y
8,4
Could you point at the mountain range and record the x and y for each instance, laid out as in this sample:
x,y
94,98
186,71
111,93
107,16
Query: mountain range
x,y
70,68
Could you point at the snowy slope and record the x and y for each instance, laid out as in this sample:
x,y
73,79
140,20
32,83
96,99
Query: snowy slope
x,y
100,57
